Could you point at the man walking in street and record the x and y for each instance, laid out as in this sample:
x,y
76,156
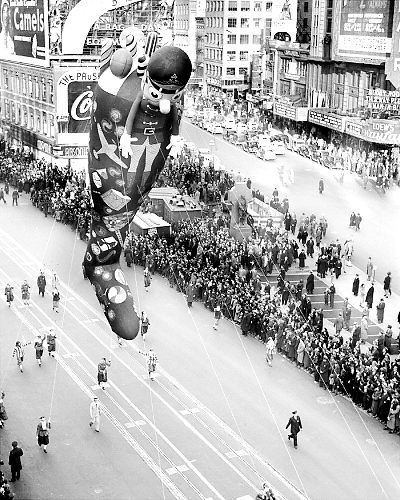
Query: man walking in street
x,y
15,196
386,285
295,427
95,414
41,283
14,461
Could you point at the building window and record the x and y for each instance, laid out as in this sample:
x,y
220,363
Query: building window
x,y
232,22
24,84
245,5
5,78
256,39
305,7
285,88
268,29
38,123
268,6
37,88
31,122
305,22
232,39
230,71
243,71
302,68
244,39
51,91
30,86
285,65
244,22
329,25
257,6
44,92
51,121
244,55
257,22
231,55
232,5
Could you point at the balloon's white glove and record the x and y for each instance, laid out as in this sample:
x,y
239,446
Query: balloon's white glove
x,y
175,146
125,145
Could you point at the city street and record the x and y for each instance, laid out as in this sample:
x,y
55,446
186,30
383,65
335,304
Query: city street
x,y
380,212
212,424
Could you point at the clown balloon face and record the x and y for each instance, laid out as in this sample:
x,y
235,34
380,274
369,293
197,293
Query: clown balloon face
x,y
161,96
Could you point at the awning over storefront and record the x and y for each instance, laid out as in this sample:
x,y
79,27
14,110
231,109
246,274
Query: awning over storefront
x,y
378,131
326,119
287,110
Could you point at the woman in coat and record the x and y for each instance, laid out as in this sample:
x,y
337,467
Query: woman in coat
x,y
393,412
369,298
364,329
8,292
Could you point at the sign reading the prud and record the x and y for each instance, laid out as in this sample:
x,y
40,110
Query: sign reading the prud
x,y
326,119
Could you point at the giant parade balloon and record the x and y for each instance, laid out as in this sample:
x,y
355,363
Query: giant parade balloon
x,y
134,127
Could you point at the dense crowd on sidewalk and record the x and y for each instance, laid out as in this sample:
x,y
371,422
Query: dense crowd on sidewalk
x,y
201,260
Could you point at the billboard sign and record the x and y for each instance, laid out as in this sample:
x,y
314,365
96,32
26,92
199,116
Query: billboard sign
x,y
364,29
74,92
24,31
284,18
383,100
326,119
378,131
392,66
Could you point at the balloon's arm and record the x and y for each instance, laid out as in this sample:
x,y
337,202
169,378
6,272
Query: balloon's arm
x,y
132,113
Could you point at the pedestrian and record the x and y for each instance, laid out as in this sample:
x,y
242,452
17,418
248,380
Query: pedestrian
x,y
41,283
151,360
217,316
8,292
321,186
269,350
95,414
26,295
338,268
295,427
102,374
356,335
370,269
56,299
2,195
356,285
3,413
369,298
38,345
386,285
347,316
42,433
380,311
362,294
338,324
332,291
144,325
357,221
146,279
189,294
388,339
310,283
19,352
51,342
364,328
14,461
15,196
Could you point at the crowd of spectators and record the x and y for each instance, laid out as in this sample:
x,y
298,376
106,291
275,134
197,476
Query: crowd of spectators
x,y
200,259
5,490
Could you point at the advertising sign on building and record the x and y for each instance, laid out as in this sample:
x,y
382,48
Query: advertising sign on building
x,y
74,92
364,29
378,131
287,110
284,19
392,66
383,100
24,31
326,119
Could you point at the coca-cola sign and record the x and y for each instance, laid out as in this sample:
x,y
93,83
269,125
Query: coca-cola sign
x,y
80,95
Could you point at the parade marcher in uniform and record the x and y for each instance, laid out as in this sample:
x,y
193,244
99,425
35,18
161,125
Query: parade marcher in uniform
x,y
151,360
144,325
14,461
25,293
38,345
95,414
19,353
217,316
8,292
42,433
41,283
51,342
56,299
269,350
102,372
146,279
295,427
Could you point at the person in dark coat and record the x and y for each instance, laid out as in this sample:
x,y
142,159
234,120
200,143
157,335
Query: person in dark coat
x,y
14,461
356,285
338,268
310,283
295,427
386,285
128,252
324,372
41,283
369,298
302,259
245,323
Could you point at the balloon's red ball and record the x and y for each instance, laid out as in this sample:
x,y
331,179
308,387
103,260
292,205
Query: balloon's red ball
x,y
121,63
